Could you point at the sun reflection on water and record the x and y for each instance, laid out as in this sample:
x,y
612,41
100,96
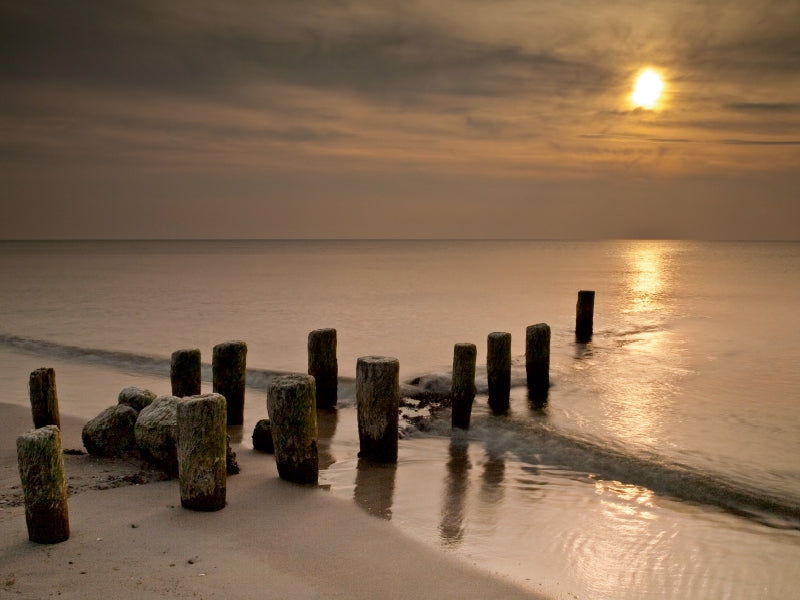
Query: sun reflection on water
x,y
646,284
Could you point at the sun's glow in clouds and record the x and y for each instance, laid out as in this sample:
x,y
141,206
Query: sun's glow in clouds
x,y
647,90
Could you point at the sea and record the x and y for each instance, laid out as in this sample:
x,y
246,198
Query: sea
x,y
663,463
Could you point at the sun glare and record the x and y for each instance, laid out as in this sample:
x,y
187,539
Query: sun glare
x,y
648,89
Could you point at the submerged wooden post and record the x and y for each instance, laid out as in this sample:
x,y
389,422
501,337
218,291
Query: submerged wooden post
x,y
498,370
378,406
322,365
201,452
185,373
44,485
463,385
44,401
291,405
584,316
537,358
229,376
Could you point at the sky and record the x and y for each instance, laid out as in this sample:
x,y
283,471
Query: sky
x,y
414,119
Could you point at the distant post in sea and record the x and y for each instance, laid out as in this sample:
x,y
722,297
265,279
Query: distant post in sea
x,y
498,370
537,359
378,407
292,409
463,384
44,485
185,373
323,366
229,375
584,316
202,443
44,401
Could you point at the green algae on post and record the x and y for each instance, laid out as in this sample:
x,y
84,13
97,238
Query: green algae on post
x,y
44,485
202,436
291,403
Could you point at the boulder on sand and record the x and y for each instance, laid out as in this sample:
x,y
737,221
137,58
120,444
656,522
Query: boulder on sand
x,y
156,434
111,432
262,437
136,398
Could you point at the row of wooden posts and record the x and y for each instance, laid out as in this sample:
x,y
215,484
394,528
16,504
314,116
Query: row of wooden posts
x,y
292,401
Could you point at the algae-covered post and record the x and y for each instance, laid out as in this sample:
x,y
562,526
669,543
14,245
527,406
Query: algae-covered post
x,y
584,316
322,365
463,384
185,373
44,485
44,401
201,452
229,368
537,358
291,405
378,406
498,370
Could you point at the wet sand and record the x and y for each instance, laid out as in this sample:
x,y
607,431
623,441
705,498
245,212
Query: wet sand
x,y
272,540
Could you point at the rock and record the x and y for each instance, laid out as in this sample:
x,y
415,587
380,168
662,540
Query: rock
x,y
262,437
111,432
136,398
156,433
231,464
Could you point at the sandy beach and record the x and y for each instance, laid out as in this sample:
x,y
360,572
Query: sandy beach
x,y
272,540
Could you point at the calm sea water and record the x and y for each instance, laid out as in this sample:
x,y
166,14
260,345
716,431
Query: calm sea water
x,y
665,464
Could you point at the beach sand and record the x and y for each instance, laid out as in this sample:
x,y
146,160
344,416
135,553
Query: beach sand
x,y
272,540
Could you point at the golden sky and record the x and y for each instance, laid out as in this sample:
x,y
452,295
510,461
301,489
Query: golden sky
x,y
399,119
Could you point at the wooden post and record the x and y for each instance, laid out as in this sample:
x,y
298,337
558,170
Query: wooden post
x,y
44,485
185,373
463,385
584,316
291,404
322,365
378,406
229,368
44,401
498,370
201,452
537,358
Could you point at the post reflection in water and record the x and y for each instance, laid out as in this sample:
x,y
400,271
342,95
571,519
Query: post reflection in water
x,y
374,491
454,501
327,420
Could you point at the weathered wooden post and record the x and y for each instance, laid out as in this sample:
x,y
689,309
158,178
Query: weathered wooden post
x,y
537,358
201,452
584,316
498,370
229,376
291,404
185,373
378,406
463,385
44,485
44,401
322,365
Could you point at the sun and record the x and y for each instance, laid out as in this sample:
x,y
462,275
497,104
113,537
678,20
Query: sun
x,y
647,90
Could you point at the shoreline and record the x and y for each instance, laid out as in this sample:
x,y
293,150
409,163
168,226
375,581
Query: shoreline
x,y
272,540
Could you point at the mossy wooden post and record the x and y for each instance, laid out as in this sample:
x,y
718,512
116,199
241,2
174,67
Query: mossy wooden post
x,y
498,370
292,408
584,316
185,373
322,365
463,385
201,452
44,485
229,368
378,406
44,401
537,358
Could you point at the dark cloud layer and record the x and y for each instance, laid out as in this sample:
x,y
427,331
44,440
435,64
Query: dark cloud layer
x,y
256,104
